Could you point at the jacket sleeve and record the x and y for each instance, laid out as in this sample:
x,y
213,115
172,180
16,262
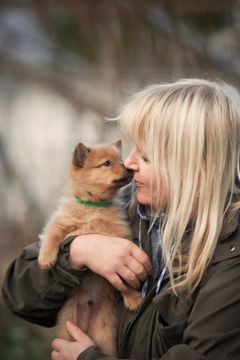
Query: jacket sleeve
x,y
175,353
37,295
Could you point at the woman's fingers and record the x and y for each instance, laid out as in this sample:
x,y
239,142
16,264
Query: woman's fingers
x,y
55,355
76,333
118,260
129,277
70,350
56,344
142,258
138,269
131,267
118,283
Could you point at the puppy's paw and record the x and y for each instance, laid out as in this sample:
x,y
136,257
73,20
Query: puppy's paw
x,y
46,261
133,300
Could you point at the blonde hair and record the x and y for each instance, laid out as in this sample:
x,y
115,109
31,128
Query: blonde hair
x,y
190,130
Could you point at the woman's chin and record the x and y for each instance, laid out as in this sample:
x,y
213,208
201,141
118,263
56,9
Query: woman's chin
x,y
143,198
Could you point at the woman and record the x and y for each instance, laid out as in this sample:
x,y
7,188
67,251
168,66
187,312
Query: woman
x,y
184,216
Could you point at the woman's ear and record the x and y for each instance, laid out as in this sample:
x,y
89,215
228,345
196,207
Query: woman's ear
x,y
79,155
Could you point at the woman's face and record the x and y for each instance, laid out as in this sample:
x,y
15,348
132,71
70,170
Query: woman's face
x,y
143,177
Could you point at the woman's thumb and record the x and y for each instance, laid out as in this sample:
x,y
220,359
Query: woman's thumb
x,y
74,331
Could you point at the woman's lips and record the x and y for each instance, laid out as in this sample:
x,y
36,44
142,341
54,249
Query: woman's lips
x,y
138,183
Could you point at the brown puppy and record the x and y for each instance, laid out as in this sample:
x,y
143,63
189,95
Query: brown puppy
x,y
96,174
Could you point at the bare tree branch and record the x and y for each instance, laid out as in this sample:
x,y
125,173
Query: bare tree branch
x,y
55,83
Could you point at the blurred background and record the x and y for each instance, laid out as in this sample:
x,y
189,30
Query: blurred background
x,y
65,66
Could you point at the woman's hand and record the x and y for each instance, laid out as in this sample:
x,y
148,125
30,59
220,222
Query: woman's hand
x,y
70,350
118,260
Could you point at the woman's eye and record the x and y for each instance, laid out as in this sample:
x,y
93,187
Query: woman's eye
x,y
145,159
107,163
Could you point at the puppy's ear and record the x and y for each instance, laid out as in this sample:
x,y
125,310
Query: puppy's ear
x,y
79,155
118,144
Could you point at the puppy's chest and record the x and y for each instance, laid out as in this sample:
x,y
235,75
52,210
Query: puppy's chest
x,y
108,221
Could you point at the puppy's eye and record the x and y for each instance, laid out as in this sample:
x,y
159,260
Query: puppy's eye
x,y
107,163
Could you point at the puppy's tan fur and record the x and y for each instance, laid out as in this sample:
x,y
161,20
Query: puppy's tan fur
x,y
95,175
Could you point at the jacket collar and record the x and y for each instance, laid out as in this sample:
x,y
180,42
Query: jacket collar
x,y
229,227
145,213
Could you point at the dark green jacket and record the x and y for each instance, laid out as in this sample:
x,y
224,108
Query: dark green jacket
x,y
167,327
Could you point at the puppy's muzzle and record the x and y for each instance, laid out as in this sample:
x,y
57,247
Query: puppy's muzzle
x,y
124,180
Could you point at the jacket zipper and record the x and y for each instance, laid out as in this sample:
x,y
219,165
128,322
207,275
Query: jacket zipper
x,y
134,317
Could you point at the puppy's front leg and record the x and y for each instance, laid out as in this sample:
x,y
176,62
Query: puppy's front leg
x,y
51,239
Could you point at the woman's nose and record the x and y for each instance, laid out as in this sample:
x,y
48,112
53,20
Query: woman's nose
x,y
131,161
